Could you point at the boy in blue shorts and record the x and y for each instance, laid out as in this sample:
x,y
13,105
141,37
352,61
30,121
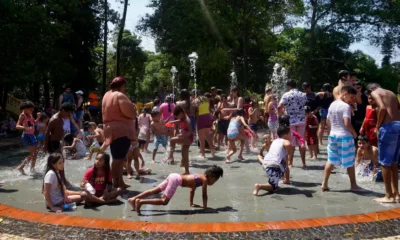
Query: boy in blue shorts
x,y
158,129
388,132
341,149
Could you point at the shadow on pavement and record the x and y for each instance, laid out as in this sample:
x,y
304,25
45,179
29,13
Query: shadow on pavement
x,y
188,212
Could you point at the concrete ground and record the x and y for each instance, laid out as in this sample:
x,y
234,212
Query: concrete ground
x,y
231,197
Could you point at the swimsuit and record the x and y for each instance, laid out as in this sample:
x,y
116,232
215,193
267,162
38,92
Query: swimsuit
x,y
169,185
40,137
184,130
233,129
197,180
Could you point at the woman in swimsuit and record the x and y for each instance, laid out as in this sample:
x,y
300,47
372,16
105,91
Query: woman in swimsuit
x,y
171,184
236,132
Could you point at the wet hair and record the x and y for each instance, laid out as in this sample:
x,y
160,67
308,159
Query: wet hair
x,y
43,116
306,85
372,86
26,105
156,101
240,112
219,91
146,110
208,95
266,135
327,87
215,172
254,104
349,90
85,126
307,109
247,99
283,130
92,124
67,107
100,126
178,110
51,160
117,83
363,138
185,96
343,73
107,167
284,120
213,88
154,113
224,96
69,139
291,83
358,83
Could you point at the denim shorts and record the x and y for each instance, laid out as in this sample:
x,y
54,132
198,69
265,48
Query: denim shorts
x,y
389,143
29,140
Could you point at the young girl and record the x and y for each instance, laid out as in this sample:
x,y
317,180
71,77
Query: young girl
x,y
185,138
167,110
171,184
100,178
273,124
42,126
134,153
369,124
264,148
75,145
26,123
311,133
236,132
144,129
54,191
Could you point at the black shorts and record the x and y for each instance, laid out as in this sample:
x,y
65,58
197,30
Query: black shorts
x,y
223,126
119,148
142,142
53,146
94,112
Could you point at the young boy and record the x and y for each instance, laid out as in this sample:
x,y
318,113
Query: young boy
x,y
98,134
158,129
275,163
254,116
367,155
341,147
264,148
311,132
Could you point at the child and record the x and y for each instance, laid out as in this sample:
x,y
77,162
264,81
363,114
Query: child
x,y
254,115
96,133
295,136
42,126
272,106
54,191
264,148
75,145
171,184
134,153
158,129
26,123
367,157
275,163
369,125
185,138
100,178
144,129
311,132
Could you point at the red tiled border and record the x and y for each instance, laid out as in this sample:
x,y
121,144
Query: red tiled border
x,y
65,220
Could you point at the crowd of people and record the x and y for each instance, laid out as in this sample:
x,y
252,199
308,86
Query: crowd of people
x,y
363,128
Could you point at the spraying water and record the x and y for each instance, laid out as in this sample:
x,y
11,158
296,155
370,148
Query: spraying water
x,y
174,71
234,82
279,80
193,58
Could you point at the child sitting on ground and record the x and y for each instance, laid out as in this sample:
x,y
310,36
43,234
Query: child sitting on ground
x,y
75,146
275,163
100,178
265,147
311,132
367,157
158,129
171,184
97,137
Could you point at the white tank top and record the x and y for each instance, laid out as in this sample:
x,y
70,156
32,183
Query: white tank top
x,y
276,153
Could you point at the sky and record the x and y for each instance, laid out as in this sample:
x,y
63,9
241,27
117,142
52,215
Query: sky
x,y
137,9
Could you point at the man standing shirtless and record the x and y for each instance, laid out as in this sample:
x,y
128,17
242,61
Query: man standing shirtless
x,y
388,132
344,80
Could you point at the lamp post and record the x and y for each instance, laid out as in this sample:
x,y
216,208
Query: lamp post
x,y
193,58
174,71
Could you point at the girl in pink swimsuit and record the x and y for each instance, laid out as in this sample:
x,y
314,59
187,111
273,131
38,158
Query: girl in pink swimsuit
x,y
171,184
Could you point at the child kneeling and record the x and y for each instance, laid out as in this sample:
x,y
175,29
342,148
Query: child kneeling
x,y
171,184
275,161
100,179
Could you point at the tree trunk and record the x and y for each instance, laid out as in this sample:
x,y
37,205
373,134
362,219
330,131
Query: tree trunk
x,y
1,94
120,34
36,92
46,92
5,96
105,47
305,76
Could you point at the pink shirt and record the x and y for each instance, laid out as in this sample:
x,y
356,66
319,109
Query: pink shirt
x,y
165,113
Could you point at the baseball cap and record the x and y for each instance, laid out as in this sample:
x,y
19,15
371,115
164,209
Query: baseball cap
x,y
79,92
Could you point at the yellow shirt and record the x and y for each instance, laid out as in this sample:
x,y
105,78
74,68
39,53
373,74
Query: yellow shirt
x,y
204,108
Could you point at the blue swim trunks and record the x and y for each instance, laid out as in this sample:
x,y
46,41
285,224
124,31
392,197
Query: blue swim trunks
x,y
29,140
341,150
253,127
323,112
40,137
389,143
160,140
275,173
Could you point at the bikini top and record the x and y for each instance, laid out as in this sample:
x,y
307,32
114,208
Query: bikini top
x,y
197,180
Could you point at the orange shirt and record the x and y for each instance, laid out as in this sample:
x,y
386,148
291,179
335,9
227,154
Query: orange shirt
x,y
93,99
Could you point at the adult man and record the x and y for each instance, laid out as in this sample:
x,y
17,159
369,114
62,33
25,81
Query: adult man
x,y
344,80
388,131
66,96
360,107
79,109
94,99
293,102
163,93
311,97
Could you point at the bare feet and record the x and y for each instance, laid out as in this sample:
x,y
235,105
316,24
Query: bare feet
x,y
240,157
227,161
314,158
137,177
285,182
132,202
125,186
304,167
325,189
290,166
152,161
256,189
21,170
137,206
129,176
384,200
357,189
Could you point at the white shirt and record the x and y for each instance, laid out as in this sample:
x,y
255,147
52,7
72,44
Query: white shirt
x,y
55,189
276,153
80,148
156,109
294,102
336,114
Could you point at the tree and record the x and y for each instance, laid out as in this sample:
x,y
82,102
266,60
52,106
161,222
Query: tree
x,y
387,50
105,42
120,35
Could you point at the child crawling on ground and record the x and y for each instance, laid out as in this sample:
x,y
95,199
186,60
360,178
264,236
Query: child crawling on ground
x,y
275,163
171,184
